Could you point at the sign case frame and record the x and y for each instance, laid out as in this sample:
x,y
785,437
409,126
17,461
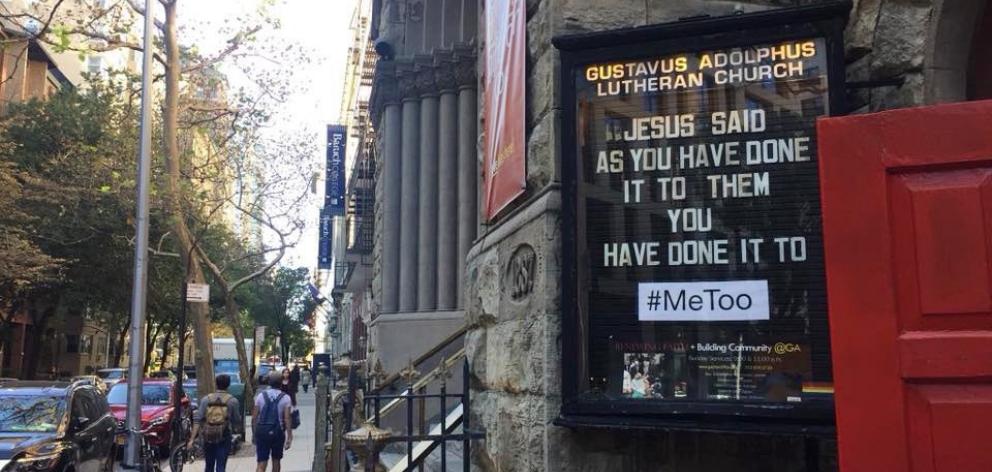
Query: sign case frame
x,y
825,23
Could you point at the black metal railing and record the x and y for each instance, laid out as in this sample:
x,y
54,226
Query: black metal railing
x,y
419,410
422,439
342,273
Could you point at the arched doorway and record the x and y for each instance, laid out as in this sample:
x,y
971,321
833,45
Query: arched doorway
x,y
959,51
980,67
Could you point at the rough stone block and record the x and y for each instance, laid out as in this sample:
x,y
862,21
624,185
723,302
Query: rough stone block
x,y
859,37
900,38
596,15
484,289
505,368
909,94
664,11
542,89
542,147
540,29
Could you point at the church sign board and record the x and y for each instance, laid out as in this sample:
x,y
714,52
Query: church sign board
x,y
694,278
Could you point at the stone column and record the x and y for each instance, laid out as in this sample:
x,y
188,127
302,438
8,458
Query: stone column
x,y
384,105
447,227
468,168
410,217
427,262
391,174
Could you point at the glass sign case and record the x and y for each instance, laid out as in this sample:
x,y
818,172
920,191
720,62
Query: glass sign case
x,y
694,279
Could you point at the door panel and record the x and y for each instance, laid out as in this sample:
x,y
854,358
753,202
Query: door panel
x,y
937,439
83,437
907,211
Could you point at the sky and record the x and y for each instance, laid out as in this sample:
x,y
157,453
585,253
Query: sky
x,y
321,27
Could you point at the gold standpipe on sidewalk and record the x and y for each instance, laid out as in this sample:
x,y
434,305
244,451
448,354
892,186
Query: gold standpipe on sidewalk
x,y
366,442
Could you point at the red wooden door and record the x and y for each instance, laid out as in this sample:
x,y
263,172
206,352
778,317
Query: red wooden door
x,y
907,218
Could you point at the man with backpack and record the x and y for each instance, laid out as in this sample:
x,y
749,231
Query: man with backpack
x,y
271,422
218,417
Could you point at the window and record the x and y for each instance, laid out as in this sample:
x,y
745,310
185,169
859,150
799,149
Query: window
x,y
94,64
92,405
72,343
158,394
86,344
31,414
79,408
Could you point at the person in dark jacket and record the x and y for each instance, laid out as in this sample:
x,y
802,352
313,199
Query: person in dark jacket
x,y
287,385
294,378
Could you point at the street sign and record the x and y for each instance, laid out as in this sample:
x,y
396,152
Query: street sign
x,y
197,293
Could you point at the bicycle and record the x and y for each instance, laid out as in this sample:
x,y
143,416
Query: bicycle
x,y
183,455
148,457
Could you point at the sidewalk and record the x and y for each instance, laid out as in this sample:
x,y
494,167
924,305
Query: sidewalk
x,y
299,458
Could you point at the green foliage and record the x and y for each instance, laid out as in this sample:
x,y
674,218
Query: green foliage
x,y
283,303
67,186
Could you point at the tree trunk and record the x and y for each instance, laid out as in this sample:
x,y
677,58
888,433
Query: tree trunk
x,y
231,309
32,354
6,329
165,344
284,347
120,342
151,334
190,260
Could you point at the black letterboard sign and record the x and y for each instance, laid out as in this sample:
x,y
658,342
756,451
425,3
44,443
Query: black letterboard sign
x,y
698,246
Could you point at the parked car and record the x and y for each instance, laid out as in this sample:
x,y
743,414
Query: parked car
x,y
112,376
157,411
162,375
263,372
93,380
55,426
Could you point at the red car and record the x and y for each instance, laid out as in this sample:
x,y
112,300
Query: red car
x,y
157,410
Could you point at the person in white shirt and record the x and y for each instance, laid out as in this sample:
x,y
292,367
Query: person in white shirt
x,y
271,424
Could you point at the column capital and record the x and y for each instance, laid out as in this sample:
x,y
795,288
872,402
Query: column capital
x,y
406,74
444,70
423,66
465,62
385,88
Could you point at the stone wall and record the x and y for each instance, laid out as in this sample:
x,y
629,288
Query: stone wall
x,y
515,349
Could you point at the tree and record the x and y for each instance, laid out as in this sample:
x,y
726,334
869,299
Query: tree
x,y
74,165
284,304
231,127
22,263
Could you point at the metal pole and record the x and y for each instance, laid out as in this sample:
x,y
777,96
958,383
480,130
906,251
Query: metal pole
x,y
181,363
138,295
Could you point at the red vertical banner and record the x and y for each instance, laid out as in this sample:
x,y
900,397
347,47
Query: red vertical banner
x,y
504,112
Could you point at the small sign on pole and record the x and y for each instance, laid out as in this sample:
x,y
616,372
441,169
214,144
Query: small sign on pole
x,y
198,293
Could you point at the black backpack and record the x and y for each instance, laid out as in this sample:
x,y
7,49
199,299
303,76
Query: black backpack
x,y
268,427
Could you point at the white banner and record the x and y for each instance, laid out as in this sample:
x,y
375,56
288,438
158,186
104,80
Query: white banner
x,y
736,300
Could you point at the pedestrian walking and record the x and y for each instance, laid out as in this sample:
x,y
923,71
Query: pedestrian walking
x,y
294,377
218,417
270,422
305,379
287,386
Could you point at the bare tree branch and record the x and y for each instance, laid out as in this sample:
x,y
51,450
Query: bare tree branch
x,y
232,45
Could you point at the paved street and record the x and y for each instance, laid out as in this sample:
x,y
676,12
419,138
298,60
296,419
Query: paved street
x,y
297,459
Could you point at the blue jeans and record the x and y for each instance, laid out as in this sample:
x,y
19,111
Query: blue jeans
x,y
216,455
